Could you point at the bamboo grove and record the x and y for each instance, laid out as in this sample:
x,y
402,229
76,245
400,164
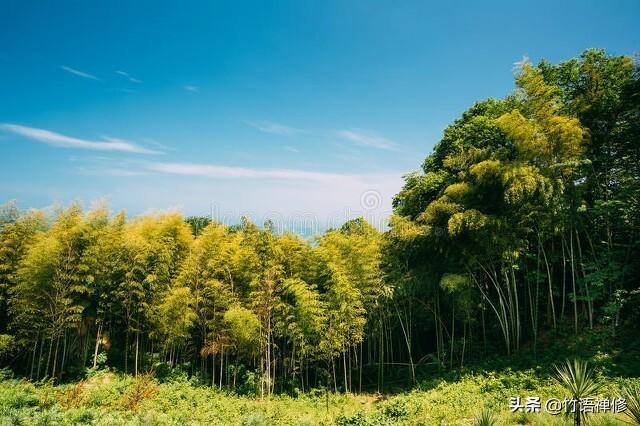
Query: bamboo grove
x,y
521,227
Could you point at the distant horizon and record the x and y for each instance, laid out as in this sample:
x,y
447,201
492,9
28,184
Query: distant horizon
x,y
304,224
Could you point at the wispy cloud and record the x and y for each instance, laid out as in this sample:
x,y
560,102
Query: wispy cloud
x,y
252,192
63,141
218,171
161,146
274,128
290,149
190,88
79,73
115,172
366,138
128,77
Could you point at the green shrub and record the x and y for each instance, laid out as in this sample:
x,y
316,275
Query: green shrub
x,y
254,419
17,395
395,408
486,418
358,419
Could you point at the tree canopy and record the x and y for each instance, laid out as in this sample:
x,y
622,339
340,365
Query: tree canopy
x,y
522,223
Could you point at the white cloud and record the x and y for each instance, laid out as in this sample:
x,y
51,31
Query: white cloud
x,y
116,172
163,147
324,199
217,171
79,73
291,149
190,88
366,138
274,128
63,141
128,77
297,200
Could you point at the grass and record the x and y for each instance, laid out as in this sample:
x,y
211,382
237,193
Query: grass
x,y
111,399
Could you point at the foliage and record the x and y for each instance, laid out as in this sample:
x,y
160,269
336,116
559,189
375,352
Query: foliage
x,y
519,236
108,398
579,380
486,418
631,393
534,199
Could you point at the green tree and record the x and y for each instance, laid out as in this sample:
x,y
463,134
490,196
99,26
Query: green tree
x,y
174,318
51,289
210,273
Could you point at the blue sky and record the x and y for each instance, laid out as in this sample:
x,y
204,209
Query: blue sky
x,y
273,109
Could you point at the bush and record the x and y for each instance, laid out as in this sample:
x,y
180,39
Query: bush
x,y
395,408
16,395
255,419
143,387
358,419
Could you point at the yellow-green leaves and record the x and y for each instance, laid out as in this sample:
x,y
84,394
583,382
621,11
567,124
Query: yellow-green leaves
x,y
439,211
457,191
567,135
486,171
469,220
404,229
542,135
454,282
243,327
528,137
525,183
176,315
541,99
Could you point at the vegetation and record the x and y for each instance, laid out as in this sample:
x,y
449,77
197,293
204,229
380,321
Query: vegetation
x,y
579,380
486,418
631,394
105,398
518,237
